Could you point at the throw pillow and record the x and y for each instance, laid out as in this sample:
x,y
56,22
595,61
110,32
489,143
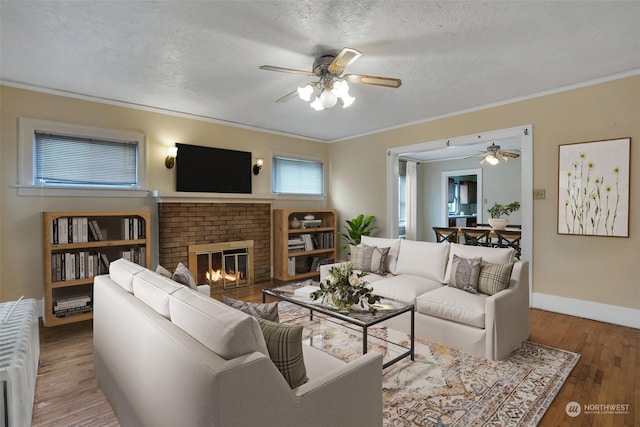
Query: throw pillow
x,y
268,311
494,277
183,276
465,273
284,343
163,271
356,256
373,259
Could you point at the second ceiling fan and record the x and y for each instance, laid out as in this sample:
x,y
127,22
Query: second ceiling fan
x,y
332,87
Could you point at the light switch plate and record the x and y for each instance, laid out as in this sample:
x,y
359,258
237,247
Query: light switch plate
x,y
538,194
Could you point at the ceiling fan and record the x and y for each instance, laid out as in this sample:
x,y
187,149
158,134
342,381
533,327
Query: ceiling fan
x,y
494,154
332,87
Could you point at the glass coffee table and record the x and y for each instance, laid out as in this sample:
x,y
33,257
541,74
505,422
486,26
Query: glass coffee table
x,y
386,309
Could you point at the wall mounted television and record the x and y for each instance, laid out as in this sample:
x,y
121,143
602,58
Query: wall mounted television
x,y
212,170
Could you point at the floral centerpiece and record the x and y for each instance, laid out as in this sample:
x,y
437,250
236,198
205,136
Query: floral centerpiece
x,y
344,288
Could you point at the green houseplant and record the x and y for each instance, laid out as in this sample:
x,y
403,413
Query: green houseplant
x,y
498,211
356,228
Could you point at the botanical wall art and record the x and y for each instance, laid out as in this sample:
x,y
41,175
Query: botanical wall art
x,y
593,188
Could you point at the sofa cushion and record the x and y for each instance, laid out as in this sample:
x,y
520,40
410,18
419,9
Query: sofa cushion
x,y
267,311
426,259
183,276
355,256
405,287
122,271
464,273
494,278
373,259
492,255
226,331
284,343
455,305
154,289
392,244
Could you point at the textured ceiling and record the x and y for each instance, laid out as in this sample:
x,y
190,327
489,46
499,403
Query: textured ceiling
x,y
202,57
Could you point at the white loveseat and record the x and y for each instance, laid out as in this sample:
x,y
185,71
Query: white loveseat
x,y
484,325
166,355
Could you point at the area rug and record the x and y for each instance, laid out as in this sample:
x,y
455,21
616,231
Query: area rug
x,y
444,385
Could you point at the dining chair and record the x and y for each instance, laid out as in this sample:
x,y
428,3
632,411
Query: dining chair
x,y
476,237
446,234
509,239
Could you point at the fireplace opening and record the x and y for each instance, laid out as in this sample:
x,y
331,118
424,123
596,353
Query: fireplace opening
x,y
222,265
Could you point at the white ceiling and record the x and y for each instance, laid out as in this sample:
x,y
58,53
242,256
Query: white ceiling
x,y
202,57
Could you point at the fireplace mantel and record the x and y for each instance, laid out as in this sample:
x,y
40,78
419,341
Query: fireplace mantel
x,y
188,197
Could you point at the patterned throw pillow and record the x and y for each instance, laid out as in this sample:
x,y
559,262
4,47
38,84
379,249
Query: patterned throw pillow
x,y
373,259
268,311
356,256
465,273
163,271
183,276
284,343
494,277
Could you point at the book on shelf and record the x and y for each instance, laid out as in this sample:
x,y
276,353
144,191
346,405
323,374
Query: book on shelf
x,y
73,311
311,223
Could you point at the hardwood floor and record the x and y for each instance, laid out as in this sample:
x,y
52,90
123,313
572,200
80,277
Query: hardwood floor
x,y
608,372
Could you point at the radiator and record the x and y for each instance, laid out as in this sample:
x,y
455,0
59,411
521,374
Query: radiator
x,y
19,354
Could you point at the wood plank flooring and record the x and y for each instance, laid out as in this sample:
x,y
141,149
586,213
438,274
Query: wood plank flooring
x,y
608,371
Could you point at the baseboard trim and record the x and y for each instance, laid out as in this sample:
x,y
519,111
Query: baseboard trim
x,y
617,315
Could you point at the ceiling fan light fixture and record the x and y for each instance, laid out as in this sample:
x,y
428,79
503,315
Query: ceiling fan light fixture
x,y
340,88
316,104
346,100
328,99
305,92
492,159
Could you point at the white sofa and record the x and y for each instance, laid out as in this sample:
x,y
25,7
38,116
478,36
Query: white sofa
x,y
490,326
166,355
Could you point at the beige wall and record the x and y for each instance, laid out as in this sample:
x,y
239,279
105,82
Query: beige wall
x,y
595,269
20,219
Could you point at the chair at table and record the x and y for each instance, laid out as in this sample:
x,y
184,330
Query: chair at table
x,y
446,234
509,239
476,237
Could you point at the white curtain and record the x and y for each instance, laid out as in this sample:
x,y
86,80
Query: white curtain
x,y
411,198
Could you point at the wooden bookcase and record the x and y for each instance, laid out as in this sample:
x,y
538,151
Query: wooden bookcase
x,y
306,246
74,251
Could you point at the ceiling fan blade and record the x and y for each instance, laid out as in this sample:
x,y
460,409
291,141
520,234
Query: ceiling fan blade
x,y
286,70
373,80
346,57
509,154
288,96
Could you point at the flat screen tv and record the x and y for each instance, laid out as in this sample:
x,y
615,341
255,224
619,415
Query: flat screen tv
x,y
212,170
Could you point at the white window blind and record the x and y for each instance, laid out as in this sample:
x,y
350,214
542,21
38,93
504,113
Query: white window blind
x,y
295,176
79,161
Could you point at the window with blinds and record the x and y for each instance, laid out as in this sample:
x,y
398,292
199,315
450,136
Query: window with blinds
x,y
295,176
63,160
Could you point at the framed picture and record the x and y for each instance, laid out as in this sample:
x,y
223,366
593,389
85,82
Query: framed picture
x,y
593,188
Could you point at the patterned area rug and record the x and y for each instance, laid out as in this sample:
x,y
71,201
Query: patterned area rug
x,y
445,385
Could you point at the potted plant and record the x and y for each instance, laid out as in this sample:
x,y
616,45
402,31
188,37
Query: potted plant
x,y
497,211
356,228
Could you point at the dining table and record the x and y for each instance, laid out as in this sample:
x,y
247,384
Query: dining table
x,y
492,233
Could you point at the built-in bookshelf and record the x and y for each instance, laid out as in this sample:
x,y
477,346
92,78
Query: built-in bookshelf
x,y
77,246
303,240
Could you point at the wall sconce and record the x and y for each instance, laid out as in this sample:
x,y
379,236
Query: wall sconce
x,y
258,165
170,160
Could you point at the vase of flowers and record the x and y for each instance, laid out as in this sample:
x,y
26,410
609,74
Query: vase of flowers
x,y
344,288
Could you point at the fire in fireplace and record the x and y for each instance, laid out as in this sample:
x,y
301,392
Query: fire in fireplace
x,y
225,265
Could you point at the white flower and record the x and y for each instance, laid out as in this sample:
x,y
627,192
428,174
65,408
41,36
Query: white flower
x,y
354,280
331,279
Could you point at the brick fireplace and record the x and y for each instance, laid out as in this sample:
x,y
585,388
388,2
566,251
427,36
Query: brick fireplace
x,y
184,224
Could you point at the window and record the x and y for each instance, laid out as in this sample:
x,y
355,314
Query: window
x,y
69,160
295,176
61,157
